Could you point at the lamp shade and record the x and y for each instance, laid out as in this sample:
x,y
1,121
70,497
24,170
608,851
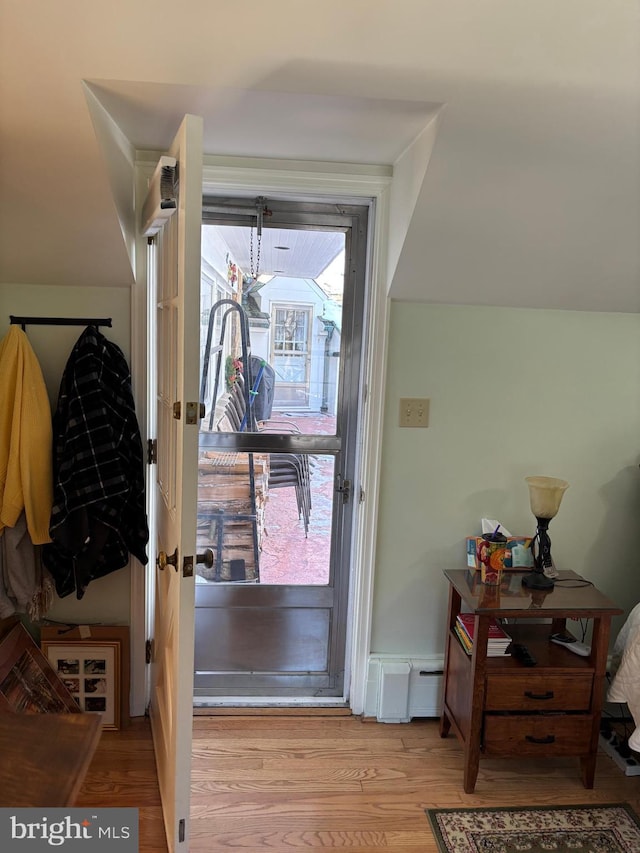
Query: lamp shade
x,y
545,494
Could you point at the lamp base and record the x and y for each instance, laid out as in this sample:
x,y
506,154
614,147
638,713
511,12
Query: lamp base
x,y
537,580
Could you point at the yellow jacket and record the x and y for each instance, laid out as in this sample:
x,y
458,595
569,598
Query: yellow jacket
x,y
26,478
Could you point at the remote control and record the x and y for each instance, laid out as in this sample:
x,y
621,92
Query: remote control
x,y
522,653
570,643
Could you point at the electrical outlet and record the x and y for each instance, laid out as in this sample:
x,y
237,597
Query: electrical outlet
x,y
414,412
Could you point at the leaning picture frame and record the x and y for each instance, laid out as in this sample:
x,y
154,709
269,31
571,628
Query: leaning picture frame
x,y
91,671
28,682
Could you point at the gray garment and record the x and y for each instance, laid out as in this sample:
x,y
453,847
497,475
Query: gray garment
x,y
21,574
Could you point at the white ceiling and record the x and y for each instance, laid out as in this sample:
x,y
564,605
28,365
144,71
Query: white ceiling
x,y
261,123
280,251
532,195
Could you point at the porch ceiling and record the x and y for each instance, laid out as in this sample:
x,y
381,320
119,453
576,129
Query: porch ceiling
x,y
302,254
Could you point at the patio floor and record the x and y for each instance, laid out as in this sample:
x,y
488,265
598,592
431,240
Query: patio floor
x,y
287,556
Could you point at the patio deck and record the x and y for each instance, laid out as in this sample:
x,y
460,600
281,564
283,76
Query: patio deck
x,y
287,556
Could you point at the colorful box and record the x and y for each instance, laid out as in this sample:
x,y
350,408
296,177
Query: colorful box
x,y
517,552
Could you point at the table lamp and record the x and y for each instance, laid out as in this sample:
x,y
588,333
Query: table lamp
x,y
545,494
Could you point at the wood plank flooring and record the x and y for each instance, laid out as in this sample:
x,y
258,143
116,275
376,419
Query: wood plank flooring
x,y
284,783
123,773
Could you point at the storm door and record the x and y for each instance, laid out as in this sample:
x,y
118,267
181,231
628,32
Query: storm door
x,y
282,303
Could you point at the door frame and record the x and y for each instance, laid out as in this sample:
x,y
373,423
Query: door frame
x,y
241,680
307,181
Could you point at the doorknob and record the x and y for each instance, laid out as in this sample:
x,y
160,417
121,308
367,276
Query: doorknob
x,y
163,560
206,558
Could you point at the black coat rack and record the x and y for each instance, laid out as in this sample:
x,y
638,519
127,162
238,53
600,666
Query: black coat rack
x,y
59,321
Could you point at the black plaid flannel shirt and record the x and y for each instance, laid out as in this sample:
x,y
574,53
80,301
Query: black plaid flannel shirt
x,y
99,510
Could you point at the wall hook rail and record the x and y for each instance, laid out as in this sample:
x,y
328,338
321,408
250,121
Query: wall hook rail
x,y
59,321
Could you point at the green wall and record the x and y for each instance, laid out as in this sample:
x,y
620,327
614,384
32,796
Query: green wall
x,y
513,392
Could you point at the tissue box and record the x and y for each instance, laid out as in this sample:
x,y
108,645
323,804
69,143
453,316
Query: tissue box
x,y
517,552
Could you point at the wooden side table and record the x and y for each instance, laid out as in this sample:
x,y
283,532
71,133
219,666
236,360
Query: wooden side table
x,y
45,757
497,706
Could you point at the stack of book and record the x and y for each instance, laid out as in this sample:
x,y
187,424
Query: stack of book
x,y
497,643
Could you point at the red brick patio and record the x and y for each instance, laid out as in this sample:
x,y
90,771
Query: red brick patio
x,y
288,557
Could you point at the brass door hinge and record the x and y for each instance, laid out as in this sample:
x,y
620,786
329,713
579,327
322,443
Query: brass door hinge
x,y
177,410
152,451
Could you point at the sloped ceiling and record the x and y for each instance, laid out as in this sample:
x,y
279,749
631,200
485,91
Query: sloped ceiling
x,y
532,192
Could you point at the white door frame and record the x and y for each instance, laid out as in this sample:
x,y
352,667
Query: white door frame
x,y
297,181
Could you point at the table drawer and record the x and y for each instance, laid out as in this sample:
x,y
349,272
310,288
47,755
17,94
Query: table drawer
x,y
538,692
540,734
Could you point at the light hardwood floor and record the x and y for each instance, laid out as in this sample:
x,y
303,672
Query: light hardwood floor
x,y
284,783
123,773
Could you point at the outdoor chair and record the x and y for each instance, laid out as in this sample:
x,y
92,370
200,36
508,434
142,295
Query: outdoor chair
x,y
286,470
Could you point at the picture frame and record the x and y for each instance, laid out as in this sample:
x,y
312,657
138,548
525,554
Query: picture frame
x,y
67,633
90,671
28,682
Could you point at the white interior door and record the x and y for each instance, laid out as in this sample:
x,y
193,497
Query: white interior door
x,y
177,266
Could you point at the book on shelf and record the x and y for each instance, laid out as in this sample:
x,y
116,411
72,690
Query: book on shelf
x,y
466,643
498,640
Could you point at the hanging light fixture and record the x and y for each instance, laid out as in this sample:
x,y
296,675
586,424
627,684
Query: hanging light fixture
x,y
261,211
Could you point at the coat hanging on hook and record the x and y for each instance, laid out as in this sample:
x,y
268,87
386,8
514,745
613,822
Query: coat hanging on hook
x,y
99,513
25,438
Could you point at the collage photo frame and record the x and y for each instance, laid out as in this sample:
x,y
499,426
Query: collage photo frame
x,y
91,672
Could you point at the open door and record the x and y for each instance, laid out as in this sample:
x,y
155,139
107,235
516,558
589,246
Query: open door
x,y
174,260
276,492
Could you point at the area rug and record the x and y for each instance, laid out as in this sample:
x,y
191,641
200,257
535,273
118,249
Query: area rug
x,y
586,829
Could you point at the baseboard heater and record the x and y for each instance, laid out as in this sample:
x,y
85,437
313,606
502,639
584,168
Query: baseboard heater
x,y
408,689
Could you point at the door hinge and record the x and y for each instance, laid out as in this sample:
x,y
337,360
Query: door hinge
x,y
177,410
344,487
361,495
194,411
148,651
152,451
182,830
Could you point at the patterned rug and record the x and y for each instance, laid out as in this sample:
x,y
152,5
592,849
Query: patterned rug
x,y
579,829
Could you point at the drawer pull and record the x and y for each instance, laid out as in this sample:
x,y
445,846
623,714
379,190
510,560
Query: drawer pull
x,y
547,739
547,695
